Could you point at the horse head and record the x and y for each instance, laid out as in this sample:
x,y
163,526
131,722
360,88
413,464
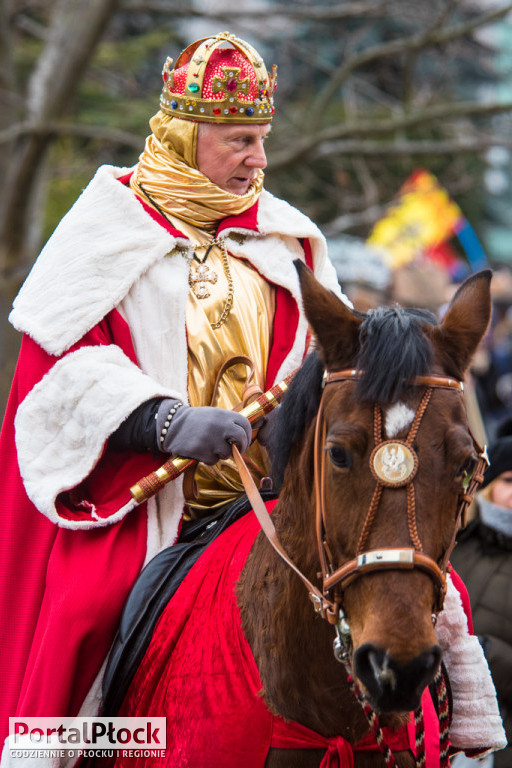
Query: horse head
x,y
392,452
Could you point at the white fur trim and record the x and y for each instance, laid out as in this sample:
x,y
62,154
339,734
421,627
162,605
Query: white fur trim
x,y
107,252
276,216
273,257
63,423
155,312
107,242
476,720
99,249
25,762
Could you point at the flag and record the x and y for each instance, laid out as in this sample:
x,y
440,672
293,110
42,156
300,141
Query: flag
x,y
420,219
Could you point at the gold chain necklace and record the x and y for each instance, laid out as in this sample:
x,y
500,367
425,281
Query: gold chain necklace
x,y
200,276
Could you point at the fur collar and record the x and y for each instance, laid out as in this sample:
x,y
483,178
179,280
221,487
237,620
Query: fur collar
x,y
106,242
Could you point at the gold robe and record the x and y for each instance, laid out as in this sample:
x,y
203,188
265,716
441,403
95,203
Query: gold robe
x,y
246,331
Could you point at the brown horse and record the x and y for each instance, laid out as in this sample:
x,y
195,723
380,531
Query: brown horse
x,y
373,435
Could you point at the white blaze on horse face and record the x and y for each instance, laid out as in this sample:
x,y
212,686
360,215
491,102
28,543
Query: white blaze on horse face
x,y
398,417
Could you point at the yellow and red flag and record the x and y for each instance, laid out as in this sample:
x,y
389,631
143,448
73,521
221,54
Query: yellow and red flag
x,y
422,216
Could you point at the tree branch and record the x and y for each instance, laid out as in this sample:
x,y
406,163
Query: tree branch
x,y
32,28
324,147
378,148
75,29
311,13
417,42
354,219
51,129
305,147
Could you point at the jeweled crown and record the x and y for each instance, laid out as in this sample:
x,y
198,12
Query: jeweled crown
x,y
219,79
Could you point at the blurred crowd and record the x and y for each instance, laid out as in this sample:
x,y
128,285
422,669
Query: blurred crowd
x,y
492,366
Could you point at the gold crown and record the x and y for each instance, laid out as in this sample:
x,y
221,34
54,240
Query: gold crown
x,y
219,79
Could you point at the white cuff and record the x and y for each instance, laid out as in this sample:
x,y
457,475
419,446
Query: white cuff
x,y
476,722
65,420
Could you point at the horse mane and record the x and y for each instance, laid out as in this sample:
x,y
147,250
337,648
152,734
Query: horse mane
x,y
299,407
394,348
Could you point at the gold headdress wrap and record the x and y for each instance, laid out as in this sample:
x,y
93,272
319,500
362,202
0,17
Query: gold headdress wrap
x,y
168,174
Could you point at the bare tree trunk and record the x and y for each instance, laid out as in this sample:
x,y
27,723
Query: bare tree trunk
x,y
10,110
75,30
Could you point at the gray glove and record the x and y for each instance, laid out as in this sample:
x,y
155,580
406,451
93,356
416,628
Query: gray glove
x,y
203,433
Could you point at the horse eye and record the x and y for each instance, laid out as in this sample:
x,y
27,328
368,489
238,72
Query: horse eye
x,y
466,469
340,457
467,466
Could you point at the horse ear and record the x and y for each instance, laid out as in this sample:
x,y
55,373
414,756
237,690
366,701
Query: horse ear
x,y
465,322
335,326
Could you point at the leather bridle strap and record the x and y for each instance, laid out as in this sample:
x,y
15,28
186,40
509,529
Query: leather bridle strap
x,y
418,381
476,479
335,581
323,606
388,558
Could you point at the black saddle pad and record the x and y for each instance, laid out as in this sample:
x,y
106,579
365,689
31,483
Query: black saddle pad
x,y
152,591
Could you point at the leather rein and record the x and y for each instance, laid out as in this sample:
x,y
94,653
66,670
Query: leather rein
x,y
393,464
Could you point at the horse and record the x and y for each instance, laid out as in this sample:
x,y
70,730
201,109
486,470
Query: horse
x,y
375,465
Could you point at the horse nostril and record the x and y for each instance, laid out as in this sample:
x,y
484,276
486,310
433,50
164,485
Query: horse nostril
x,y
384,674
390,685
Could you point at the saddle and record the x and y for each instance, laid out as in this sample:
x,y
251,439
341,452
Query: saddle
x,y
152,591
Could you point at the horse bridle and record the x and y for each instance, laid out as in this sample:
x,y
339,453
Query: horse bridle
x,y
328,602
387,474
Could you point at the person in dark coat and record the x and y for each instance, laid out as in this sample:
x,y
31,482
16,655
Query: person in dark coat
x,y
483,558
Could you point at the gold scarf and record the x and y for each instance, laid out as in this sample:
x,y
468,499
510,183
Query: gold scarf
x,y
168,174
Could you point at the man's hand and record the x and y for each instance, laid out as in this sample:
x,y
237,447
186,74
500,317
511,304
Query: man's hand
x,y
203,433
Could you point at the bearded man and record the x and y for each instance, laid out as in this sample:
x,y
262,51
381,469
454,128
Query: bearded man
x,y
155,278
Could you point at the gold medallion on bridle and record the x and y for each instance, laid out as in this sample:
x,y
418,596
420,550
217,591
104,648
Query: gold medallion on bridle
x,y
393,463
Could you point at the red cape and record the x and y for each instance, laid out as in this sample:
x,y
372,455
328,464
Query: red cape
x,y
62,591
58,586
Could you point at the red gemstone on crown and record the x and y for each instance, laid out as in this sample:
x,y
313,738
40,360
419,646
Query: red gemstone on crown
x,y
216,111
233,110
231,84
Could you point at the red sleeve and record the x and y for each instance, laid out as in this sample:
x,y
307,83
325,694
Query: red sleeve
x,y
308,254
286,319
464,596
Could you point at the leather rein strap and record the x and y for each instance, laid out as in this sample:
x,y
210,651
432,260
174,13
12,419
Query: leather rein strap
x,y
268,528
328,602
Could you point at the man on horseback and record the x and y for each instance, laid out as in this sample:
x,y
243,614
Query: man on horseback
x,y
166,295
164,291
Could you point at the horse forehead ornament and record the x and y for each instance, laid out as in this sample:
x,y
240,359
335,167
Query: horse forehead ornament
x,y
394,463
